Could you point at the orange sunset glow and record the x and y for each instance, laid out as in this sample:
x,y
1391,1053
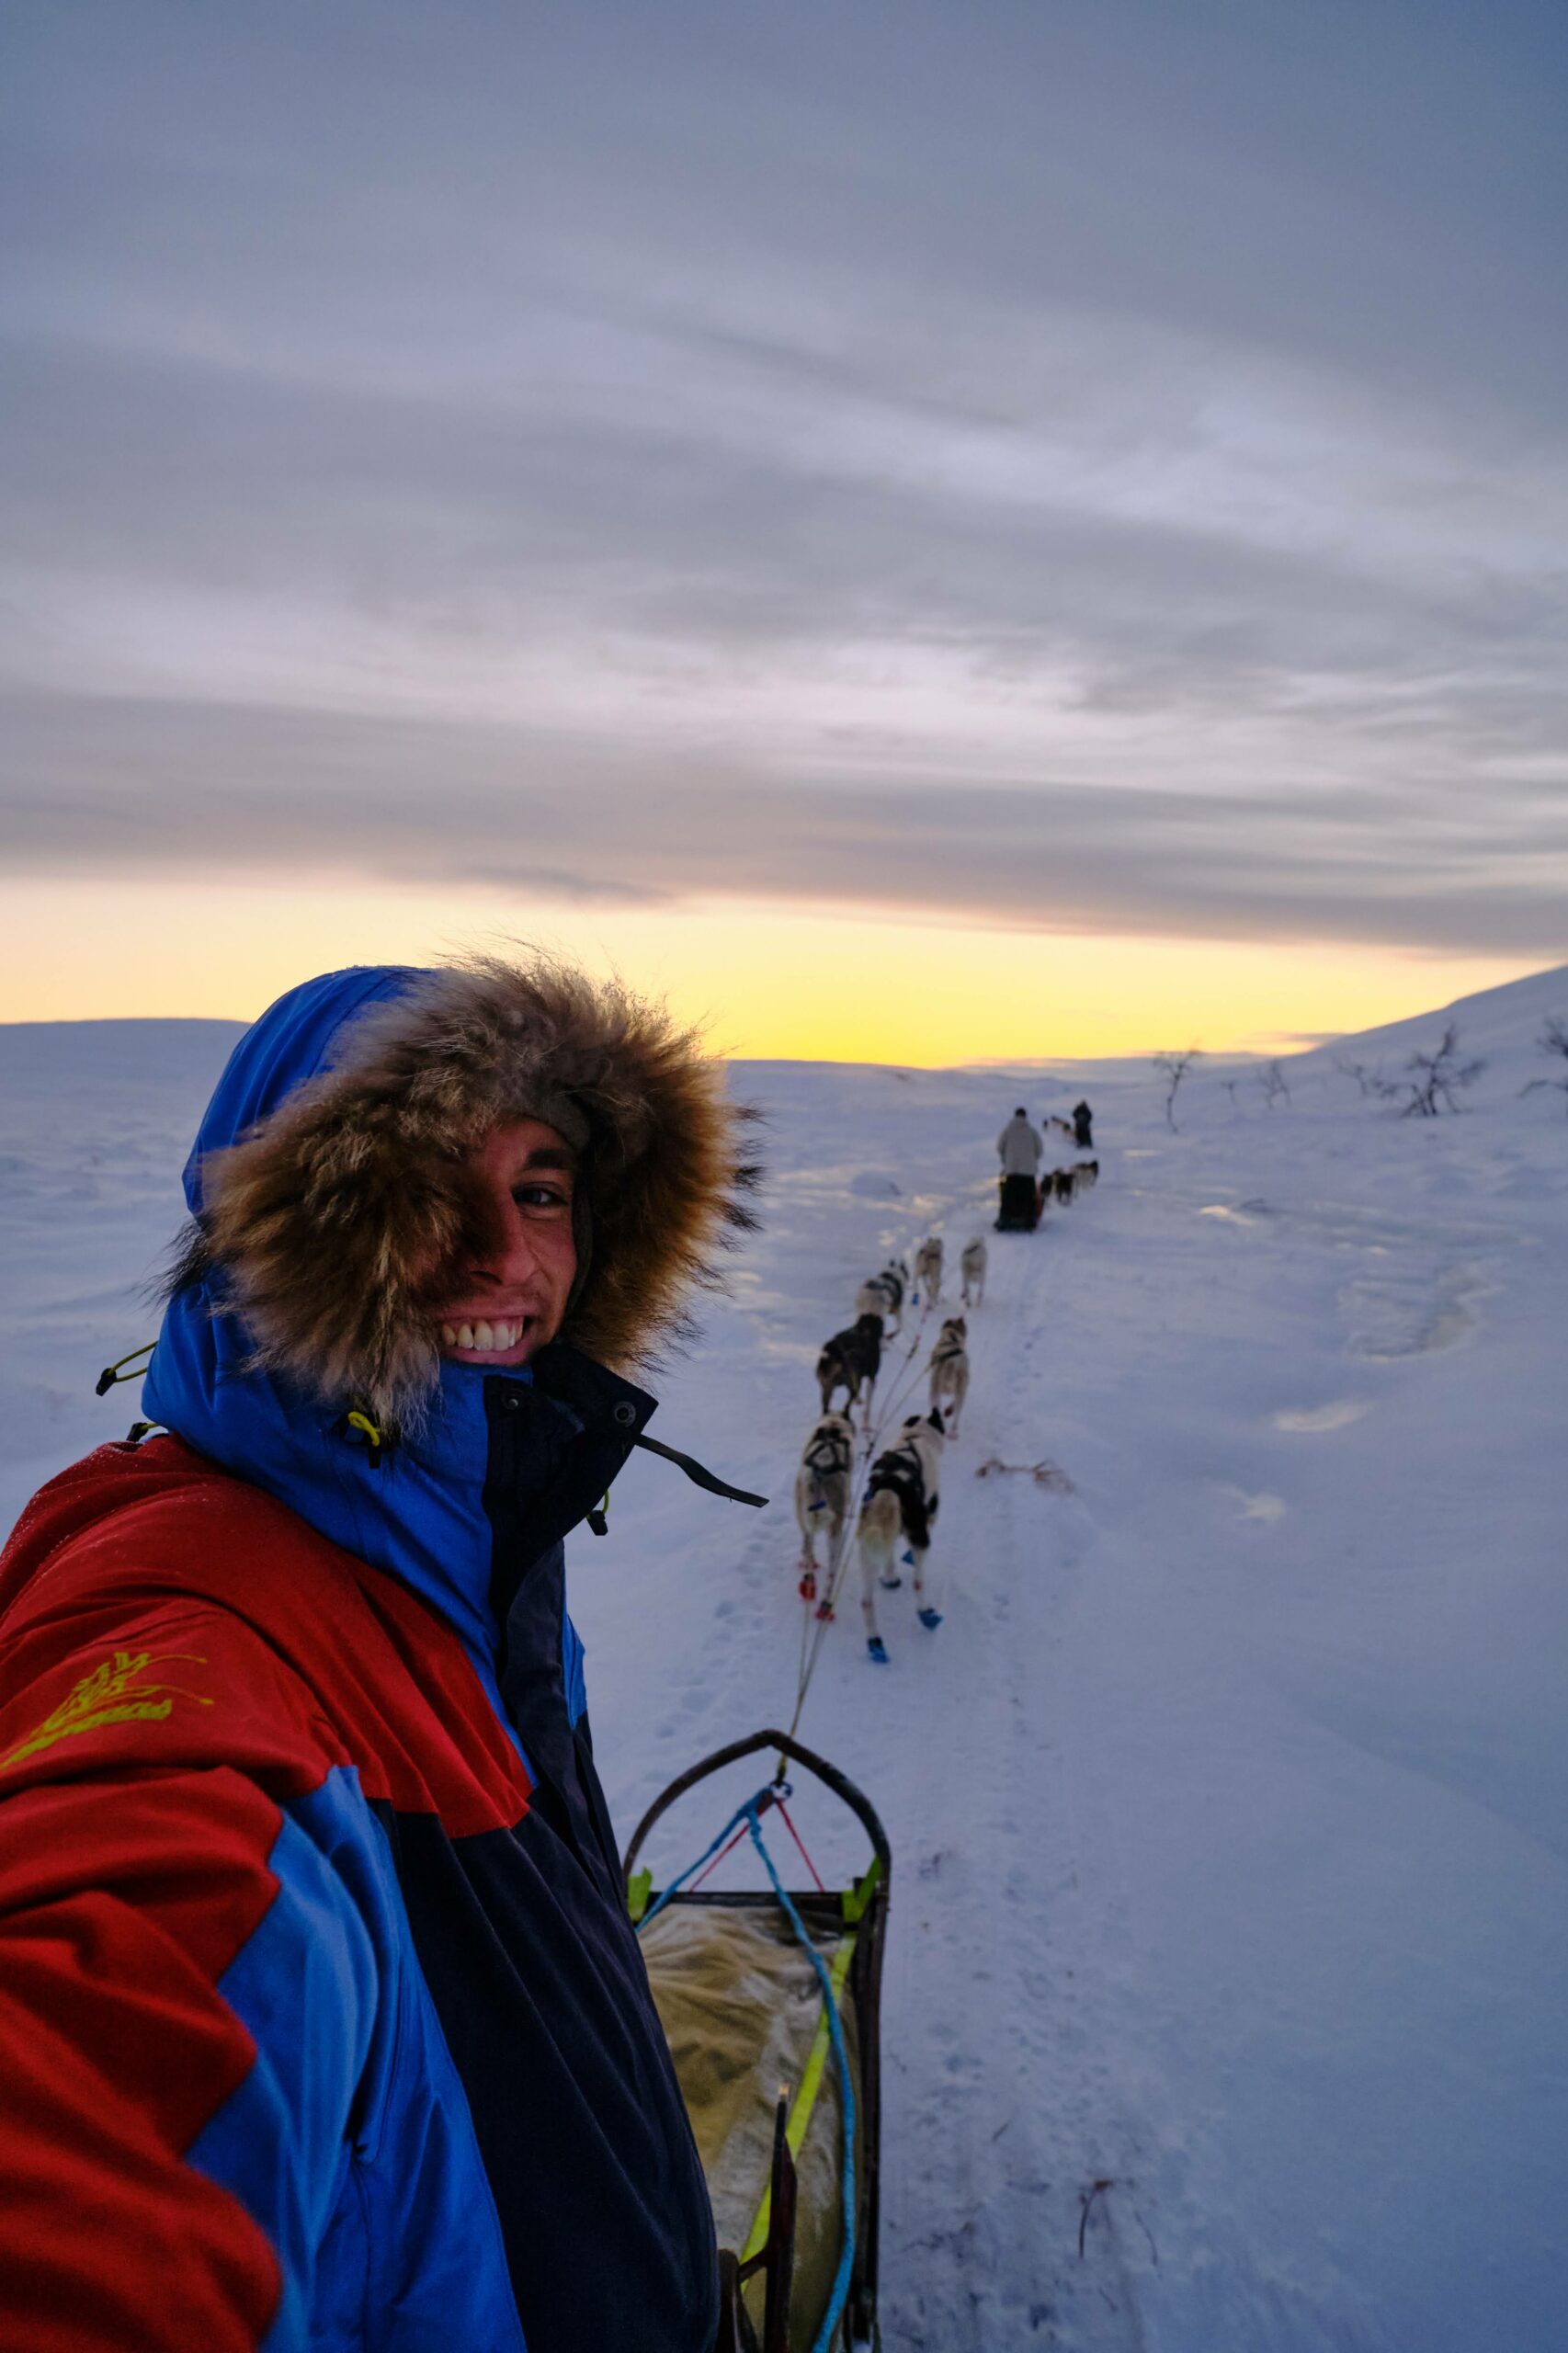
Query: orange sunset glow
x,y
768,981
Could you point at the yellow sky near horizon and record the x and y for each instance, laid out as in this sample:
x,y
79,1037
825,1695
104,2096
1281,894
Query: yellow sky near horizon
x,y
770,980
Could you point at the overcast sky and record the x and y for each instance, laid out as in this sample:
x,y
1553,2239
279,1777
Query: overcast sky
x,y
1088,464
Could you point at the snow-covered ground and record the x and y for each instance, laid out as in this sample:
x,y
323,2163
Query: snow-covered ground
x,y
1229,1802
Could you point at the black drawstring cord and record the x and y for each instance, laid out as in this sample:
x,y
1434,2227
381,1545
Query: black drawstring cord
x,y
113,1373
699,1476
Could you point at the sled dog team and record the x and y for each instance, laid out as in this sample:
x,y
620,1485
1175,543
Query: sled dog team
x,y
902,1489
1025,1188
1065,1182
1060,1184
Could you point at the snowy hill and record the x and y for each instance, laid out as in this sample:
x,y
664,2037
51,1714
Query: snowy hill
x,y
1503,1024
1229,1801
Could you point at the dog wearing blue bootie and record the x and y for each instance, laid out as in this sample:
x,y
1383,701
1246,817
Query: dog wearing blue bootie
x,y
900,1505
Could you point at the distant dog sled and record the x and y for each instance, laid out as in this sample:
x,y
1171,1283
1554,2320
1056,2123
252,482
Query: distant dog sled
x,y
1019,1210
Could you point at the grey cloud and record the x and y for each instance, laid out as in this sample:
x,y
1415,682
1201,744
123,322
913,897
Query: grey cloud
x,y
451,519
1382,188
114,786
1181,406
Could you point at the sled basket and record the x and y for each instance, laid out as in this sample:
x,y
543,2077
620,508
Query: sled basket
x,y
1020,1202
743,2011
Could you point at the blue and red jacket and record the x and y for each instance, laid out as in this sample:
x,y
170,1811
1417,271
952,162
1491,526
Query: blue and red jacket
x,y
324,2025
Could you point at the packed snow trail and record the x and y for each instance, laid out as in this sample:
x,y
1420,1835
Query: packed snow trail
x,y
986,2162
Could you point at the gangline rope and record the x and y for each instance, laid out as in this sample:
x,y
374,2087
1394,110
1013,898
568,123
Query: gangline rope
x,y
813,1628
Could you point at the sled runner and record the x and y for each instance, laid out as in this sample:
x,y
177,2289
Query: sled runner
x,y
770,2000
1019,1212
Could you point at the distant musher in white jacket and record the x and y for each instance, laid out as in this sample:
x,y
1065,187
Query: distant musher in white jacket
x,y
1018,1146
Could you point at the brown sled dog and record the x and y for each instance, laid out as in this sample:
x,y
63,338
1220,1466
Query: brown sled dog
x,y
851,1361
822,1493
949,1372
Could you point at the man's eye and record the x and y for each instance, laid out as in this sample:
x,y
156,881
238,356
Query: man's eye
x,y
540,1197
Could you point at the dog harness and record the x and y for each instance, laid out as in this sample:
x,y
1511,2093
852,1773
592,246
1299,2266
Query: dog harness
x,y
830,1451
898,1473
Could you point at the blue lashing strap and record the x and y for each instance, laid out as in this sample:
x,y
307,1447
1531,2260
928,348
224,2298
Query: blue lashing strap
x,y
750,1814
740,1814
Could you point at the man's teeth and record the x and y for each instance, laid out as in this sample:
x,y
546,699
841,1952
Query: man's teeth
x,y
484,1339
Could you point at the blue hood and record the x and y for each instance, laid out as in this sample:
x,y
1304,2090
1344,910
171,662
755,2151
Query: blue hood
x,y
292,1042
418,1511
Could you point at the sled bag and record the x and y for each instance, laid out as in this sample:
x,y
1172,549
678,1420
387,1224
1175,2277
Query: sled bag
x,y
1020,1202
741,2007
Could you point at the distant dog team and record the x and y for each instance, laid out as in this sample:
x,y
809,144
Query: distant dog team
x,y
901,1496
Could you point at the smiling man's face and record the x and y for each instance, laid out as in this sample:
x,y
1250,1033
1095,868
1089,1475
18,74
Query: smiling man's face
x,y
510,1297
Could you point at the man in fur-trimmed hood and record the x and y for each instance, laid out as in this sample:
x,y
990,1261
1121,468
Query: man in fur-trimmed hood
x,y
332,2030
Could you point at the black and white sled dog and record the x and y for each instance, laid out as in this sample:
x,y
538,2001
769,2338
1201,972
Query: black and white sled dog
x,y
851,1361
971,1268
949,1372
822,1493
883,1295
1060,1183
900,1502
1086,1173
928,1268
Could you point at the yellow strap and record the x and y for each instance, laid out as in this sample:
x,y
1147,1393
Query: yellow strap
x,y
358,1421
805,2099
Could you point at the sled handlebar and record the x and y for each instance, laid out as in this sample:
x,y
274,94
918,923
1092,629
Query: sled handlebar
x,y
784,1744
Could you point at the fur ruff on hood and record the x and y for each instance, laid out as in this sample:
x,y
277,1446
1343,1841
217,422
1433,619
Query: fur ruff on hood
x,y
333,1226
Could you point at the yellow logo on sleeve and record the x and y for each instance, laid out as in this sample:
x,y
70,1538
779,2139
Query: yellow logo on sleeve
x,y
113,1693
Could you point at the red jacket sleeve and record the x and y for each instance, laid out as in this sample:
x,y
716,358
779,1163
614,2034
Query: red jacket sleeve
x,y
146,1772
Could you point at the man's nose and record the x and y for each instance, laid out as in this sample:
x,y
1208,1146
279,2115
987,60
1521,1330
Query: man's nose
x,y
510,1253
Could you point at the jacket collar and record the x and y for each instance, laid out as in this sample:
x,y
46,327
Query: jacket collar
x,y
419,1508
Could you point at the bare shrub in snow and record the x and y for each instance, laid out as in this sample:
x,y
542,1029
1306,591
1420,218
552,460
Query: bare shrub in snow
x,y
1368,1077
1433,1081
1276,1089
1173,1068
1553,1040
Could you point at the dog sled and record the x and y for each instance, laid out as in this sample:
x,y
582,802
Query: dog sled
x,y
770,2000
1019,1211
